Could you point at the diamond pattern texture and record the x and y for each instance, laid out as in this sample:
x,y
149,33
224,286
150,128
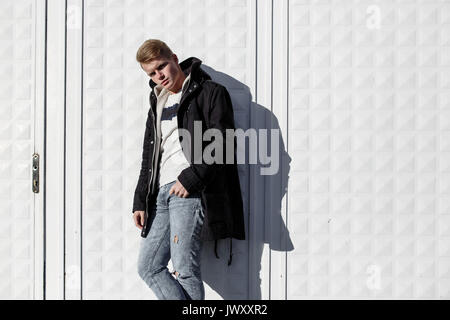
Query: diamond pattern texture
x,y
17,87
116,104
369,97
368,202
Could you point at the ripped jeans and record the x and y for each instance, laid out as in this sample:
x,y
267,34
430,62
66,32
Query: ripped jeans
x,y
175,231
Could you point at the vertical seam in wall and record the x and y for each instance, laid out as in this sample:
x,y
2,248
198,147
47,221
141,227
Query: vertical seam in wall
x,y
271,110
45,156
284,242
81,153
65,150
249,181
34,144
36,24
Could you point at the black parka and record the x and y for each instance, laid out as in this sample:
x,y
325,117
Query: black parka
x,y
209,102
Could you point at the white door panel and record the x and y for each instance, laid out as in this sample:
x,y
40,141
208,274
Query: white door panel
x,y
115,105
367,108
22,30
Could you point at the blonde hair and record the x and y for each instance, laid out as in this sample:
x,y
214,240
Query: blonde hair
x,y
153,49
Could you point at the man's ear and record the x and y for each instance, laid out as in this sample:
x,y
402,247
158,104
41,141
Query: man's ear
x,y
175,58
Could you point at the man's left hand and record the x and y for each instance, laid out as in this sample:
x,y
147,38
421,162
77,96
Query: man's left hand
x,y
178,190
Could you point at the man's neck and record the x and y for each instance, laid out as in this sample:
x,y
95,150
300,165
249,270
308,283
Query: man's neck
x,y
179,84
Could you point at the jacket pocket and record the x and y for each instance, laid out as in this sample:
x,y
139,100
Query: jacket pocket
x,y
218,213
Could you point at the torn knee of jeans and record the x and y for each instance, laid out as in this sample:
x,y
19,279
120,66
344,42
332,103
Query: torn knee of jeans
x,y
176,273
175,240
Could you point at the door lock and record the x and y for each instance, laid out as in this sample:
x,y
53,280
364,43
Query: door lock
x,y
35,167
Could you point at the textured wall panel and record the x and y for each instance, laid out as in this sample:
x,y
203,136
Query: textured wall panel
x,y
17,101
115,107
368,193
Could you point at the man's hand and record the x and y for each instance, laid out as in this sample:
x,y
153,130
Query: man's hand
x,y
138,217
178,190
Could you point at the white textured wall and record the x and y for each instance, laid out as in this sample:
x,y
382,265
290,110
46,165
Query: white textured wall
x,y
369,101
21,89
360,91
116,105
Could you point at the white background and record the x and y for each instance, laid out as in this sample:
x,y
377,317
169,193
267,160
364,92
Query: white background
x,y
360,206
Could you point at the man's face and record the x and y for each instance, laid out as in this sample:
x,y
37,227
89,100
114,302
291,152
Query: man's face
x,y
163,71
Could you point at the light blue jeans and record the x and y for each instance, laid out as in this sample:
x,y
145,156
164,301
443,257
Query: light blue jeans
x,y
175,231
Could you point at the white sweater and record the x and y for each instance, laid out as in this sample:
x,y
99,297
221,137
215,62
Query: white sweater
x,y
173,160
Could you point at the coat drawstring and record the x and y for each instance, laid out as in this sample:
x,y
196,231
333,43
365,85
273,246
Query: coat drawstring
x,y
229,260
231,250
215,249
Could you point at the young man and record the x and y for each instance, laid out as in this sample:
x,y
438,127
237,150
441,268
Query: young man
x,y
180,199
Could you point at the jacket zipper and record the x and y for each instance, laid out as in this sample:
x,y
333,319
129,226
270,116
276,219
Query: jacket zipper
x,y
149,188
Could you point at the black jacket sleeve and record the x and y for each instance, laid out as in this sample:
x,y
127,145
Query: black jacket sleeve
x,y
220,116
142,186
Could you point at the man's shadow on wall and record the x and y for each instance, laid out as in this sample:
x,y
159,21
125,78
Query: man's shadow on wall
x,y
262,196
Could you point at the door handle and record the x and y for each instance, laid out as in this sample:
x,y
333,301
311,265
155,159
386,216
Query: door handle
x,y
35,167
